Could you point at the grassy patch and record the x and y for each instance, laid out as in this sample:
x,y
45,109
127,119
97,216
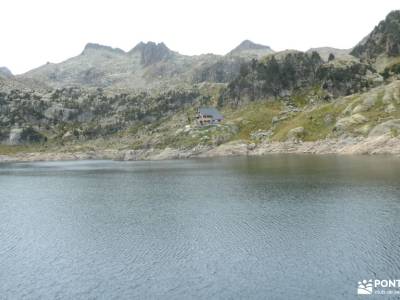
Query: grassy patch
x,y
12,150
376,114
313,122
252,117
394,132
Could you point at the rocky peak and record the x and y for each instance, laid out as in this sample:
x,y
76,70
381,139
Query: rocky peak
x,y
98,48
5,72
384,39
248,46
151,52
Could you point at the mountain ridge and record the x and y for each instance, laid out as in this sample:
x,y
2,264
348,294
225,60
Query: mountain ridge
x,y
153,65
146,65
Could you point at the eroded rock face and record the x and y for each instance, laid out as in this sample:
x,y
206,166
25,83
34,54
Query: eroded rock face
x,y
152,53
59,113
15,136
280,76
19,136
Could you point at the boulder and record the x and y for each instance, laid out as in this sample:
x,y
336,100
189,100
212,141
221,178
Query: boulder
x,y
68,136
368,101
344,123
388,127
251,146
390,108
296,134
329,119
363,130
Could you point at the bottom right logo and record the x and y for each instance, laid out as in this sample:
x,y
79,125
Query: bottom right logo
x,y
365,287
379,287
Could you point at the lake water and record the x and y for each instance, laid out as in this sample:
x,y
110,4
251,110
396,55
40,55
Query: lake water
x,y
276,227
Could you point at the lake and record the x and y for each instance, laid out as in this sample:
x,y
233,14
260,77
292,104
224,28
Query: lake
x,y
273,227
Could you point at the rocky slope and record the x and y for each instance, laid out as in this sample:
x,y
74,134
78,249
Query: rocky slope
x,y
384,39
140,104
381,47
295,73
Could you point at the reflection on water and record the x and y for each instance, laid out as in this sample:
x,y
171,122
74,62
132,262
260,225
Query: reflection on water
x,y
281,226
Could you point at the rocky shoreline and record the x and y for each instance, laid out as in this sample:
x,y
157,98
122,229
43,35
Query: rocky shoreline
x,y
384,144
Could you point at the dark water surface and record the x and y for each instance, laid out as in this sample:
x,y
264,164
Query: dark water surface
x,y
277,227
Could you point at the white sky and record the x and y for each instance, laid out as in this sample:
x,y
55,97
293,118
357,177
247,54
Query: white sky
x,y
36,31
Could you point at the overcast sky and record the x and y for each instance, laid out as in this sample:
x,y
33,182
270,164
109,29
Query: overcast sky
x,y
34,32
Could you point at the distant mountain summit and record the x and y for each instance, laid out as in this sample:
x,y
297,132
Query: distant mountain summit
x,y
97,47
152,53
5,72
383,40
249,45
248,48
